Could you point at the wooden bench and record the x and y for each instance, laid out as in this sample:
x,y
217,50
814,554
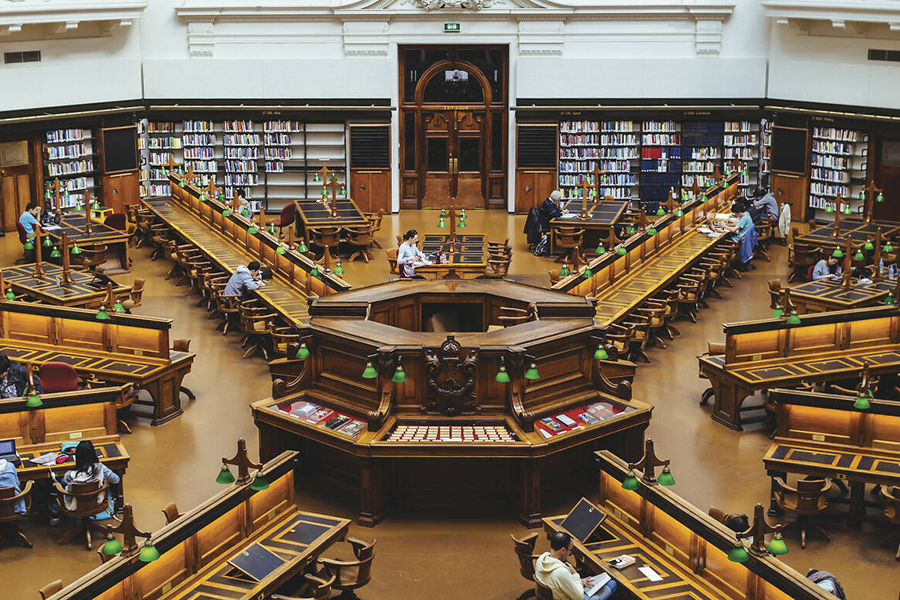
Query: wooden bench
x,y
770,353
823,435
195,548
684,546
122,349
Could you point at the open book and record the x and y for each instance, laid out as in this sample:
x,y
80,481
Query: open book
x,y
597,582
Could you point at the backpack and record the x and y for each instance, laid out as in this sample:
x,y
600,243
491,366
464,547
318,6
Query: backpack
x,y
542,248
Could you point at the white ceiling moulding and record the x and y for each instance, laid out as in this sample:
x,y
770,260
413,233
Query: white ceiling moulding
x,y
707,17
66,15
842,14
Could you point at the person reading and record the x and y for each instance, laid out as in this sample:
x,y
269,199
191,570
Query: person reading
x,y
9,477
552,569
88,469
549,210
244,280
827,268
764,200
29,218
409,257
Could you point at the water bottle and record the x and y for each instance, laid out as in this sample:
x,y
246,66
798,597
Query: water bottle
x,y
881,267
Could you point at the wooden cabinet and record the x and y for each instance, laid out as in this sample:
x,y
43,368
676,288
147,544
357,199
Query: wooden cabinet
x,y
371,189
119,190
792,188
533,186
15,188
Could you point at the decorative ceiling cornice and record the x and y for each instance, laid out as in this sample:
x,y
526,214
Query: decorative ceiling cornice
x,y
70,12
838,12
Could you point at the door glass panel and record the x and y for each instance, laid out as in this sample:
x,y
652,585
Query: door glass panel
x,y
469,155
453,85
409,141
496,141
437,154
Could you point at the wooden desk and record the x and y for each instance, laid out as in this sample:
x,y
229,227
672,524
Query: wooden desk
x,y
601,217
823,435
686,547
194,548
825,295
45,290
116,240
123,349
858,230
825,347
314,213
468,256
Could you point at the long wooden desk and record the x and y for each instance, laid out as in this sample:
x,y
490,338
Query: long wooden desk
x,y
194,549
601,217
115,239
684,546
467,257
823,435
858,230
771,353
46,290
824,295
314,213
123,349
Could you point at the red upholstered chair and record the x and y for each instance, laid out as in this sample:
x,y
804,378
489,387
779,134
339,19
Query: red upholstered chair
x,y
59,377
287,216
29,254
116,221
22,233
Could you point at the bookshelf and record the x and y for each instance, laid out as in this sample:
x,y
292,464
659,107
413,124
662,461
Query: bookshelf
x,y
702,151
161,140
326,143
741,142
838,166
619,155
661,160
199,139
69,156
579,149
241,160
284,156
765,153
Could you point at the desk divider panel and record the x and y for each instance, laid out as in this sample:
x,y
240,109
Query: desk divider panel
x,y
160,576
267,504
221,534
820,424
63,416
68,423
882,432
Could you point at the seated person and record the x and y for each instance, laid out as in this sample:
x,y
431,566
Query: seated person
x,y
755,215
88,468
827,582
28,219
10,478
549,210
827,268
409,257
244,280
744,222
552,570
765,201
7,383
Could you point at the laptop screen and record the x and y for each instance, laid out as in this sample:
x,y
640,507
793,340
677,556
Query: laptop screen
x,y
7,446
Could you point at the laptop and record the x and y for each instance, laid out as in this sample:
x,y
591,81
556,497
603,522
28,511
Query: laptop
x,y
8,452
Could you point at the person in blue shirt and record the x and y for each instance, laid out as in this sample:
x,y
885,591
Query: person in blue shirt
x,y
744,223
764,200
409,256
29,218
10,478
827,268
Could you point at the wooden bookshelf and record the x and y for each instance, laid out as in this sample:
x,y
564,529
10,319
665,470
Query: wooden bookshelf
x,y
702,151
619,159
661,160
741,143
579,150
200,150
837,166
765,153
69,155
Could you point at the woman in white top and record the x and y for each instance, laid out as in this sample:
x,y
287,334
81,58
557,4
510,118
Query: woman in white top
x,y
88,468
409,256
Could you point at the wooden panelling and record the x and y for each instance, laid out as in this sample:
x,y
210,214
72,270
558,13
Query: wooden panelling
x,y
371,189
533,186
121,190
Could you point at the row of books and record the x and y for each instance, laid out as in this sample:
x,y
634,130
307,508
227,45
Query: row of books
x,y
703,153
278,153
202,166
610,166
835,134
67,151
694,166
240,166
659,126
196,126
658,139
242,139
740,140
583,153
58,136
241,179
277,139
668,153
323,416
160,127
703,140
828,147
237,126
57,169
619,193
829,161
164,143
620,179
831,190
199,139
281,126
736,126
745,154
241,152
702,180
571,139
199,153
830,175
661,166
275,166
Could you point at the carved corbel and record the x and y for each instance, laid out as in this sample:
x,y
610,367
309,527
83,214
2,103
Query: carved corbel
x,y
281,388
516,366
383,360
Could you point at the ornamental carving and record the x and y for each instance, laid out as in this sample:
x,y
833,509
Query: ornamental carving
x,y
450,380
466,4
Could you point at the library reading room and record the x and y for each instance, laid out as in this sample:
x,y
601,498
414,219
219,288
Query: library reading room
x,y
450,299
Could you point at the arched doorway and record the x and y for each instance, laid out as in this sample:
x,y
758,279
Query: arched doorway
x,y
453,122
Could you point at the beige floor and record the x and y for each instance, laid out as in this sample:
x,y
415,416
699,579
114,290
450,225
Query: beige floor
x,y
461,550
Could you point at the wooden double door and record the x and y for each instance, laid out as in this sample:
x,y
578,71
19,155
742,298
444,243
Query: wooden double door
x,y
454,161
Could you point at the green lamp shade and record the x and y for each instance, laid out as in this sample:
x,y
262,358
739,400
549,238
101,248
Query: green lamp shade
x,y
314,271
302,247
463,214
338,269
778,313
666,478
225,477
600,249
316,178
462,223
47,243
28,245
95,205
10,295
630,482
837,253
703,197
111,546
794,319
66,192
226,212
33,400
55,253
148,553
777,546
179,170
738,554
202,197
181,183
443,213
324,192
221,196
303,352
630,229
651,232
848,210
271,228
869,246
342,191
442,223
621,251
399,375
879,197
859,255
862,402
252,229
684,196
502,375
587,273
532,372
369,372
102,315
661,212
889,299
888,248
600,353
245,212
829,209
259,483
118,307
564,272
679,213
862,195
745,172
280,250
47,195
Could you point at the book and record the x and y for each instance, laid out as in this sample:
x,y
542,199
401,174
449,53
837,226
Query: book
x,y
565,420
551,423
353,428
320,415
303,409
587,418
336,422
597,582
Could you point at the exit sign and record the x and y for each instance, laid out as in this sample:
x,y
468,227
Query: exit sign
x,y
451,27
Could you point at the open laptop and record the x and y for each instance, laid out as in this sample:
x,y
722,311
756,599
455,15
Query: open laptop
x,y
8,452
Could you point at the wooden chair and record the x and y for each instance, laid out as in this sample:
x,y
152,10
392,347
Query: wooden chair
x,y
170,512
525,554
353,574
375,220
286,217
59,377
360,238
655,312
320,589
90,500
160,236
689,297
712,349
774,293
325,238
810,497
570,240
392,259
9,518
804,257
541,591
257,325
764,238
497,247
92,256
144,233
50,589
282,337
498,266
229,306
891,501
183,345
554,276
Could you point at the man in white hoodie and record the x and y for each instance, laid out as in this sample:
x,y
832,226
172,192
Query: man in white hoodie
x,y
552,570
244,280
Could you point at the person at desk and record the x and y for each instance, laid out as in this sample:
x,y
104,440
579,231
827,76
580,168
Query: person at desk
x,y
552,570
827,268
10,478
409,257
550,209
244,280
742,232
88,469
765,201
29,218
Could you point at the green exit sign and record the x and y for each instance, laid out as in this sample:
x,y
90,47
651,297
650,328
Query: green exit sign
x,y
451,27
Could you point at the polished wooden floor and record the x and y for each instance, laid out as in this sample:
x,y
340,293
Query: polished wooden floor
x,y
461,548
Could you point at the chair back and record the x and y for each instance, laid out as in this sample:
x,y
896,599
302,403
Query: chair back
x,y
23,235
181,345
170,511
324,236
255,320
50,589
359,236
569,237
541,591
137,291
365,554
809,497
554,275
288,212
890,498
525,553
90,498
392,259
375,220
116,221
58,377
8,500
